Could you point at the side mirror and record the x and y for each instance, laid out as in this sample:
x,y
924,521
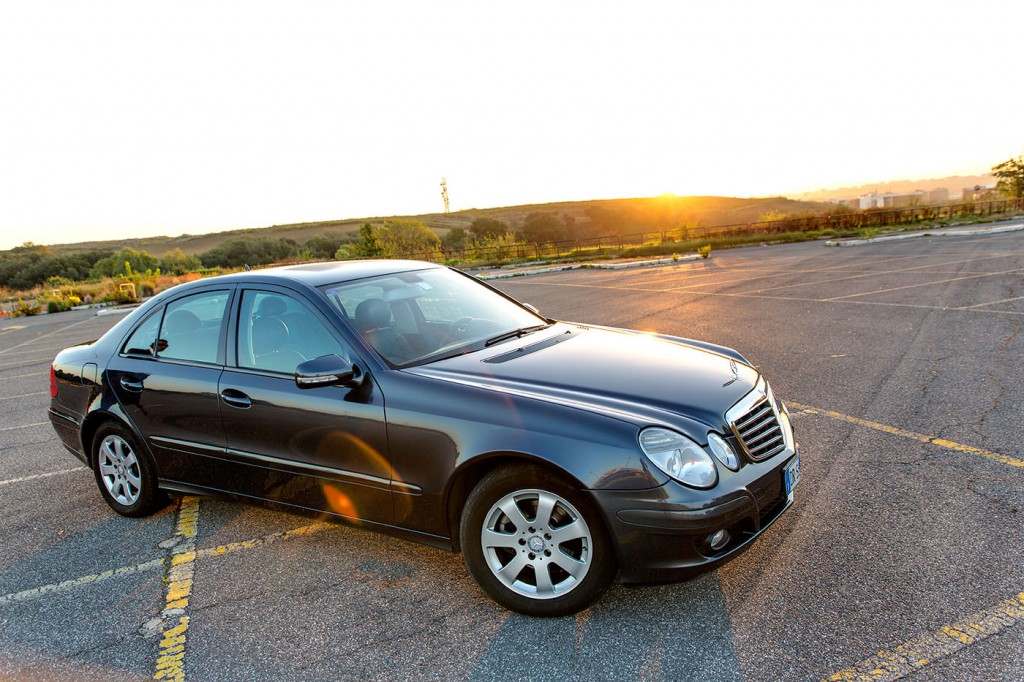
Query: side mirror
x,y
328,370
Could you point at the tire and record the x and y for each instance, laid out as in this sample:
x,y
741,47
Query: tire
x,y
535,544
124,473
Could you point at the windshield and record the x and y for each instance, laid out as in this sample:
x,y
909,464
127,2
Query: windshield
x,y
411,318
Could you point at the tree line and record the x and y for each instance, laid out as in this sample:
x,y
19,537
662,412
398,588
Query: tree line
x,y
31,265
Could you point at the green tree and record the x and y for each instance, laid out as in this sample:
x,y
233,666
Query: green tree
x,y
368,245
324,246
456,238
1011,177
408,238
177,262
247,250
488,227
605,221
124,262
543,227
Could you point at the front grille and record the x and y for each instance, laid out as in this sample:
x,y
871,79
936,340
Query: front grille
x,y
759,431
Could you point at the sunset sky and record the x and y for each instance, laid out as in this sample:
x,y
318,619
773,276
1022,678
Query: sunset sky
x,y
138,119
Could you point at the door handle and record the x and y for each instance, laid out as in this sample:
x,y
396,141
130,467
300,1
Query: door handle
x,y
235,398
132,384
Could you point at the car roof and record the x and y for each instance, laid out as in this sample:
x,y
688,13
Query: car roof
x,y
319,274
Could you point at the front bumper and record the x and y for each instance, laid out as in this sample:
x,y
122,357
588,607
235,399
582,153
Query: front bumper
x,y
661,535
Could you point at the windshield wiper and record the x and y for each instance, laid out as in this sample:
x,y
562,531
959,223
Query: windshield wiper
x,y
515,334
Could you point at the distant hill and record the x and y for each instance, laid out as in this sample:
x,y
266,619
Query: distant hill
x,y
635,215
954,183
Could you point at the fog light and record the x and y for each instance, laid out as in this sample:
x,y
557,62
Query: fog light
x,y
718,539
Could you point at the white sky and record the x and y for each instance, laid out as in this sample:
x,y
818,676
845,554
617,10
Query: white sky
x,y
142,118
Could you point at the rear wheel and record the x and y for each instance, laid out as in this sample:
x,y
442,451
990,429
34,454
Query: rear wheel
x,y
534,543
124,474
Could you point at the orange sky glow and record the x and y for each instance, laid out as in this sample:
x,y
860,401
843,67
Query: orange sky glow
x,y
126,119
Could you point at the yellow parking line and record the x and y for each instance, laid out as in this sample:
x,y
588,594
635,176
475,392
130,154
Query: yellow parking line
x,y
941,442
22,376
265,540
170,663
917,653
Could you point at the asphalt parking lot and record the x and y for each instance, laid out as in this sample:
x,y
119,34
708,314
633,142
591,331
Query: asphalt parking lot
x,y
902,556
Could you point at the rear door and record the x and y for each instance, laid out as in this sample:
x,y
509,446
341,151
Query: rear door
x,y
165,377
323,448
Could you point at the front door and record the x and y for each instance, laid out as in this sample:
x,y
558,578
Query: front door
x,y
322,448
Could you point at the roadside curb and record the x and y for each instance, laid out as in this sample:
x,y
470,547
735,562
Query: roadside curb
x,y
116,311
925,233
593,265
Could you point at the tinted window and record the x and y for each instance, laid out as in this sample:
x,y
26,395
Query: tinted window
x,y
414,317
191,327
143,339
276,332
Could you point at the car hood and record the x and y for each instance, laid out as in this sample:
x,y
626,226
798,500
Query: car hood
x,y
638,377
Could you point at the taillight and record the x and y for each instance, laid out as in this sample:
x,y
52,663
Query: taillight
x,y
53,383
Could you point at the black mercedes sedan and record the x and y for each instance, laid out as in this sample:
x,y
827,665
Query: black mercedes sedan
x,y
416,400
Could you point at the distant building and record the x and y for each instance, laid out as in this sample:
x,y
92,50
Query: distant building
x,y
978,193
852,203
918,197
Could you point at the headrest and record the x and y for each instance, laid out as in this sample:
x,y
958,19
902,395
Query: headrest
x,y
372,313
268,334
271,306
181,321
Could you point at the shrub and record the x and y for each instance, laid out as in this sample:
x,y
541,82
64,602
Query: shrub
x,y
704,251
25,309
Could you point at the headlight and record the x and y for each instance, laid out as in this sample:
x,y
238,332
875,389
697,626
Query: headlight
x,y
679,457
723,451
787,428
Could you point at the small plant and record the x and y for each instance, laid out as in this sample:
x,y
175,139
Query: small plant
x,y
704,251
24,309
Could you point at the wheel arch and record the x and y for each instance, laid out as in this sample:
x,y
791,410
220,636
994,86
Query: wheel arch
x,y
467,476
95,420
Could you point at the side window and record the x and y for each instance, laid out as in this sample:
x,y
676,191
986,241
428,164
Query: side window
x,y
191,327
277,332
143,339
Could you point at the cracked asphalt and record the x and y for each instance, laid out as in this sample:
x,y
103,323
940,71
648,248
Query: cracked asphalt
x,y
892,537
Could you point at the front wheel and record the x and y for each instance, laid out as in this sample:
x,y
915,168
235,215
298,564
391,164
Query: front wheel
x,y
124,474
535,544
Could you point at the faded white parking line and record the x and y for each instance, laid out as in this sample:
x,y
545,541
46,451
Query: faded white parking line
x,y
23,426
43,336
23,395
980,305
210,553
46,475
36,592
926,284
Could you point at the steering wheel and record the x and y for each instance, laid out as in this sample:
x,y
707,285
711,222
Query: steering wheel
x,y
456,329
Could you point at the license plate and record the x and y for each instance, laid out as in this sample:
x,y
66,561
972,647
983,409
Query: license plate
x,y
791,473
